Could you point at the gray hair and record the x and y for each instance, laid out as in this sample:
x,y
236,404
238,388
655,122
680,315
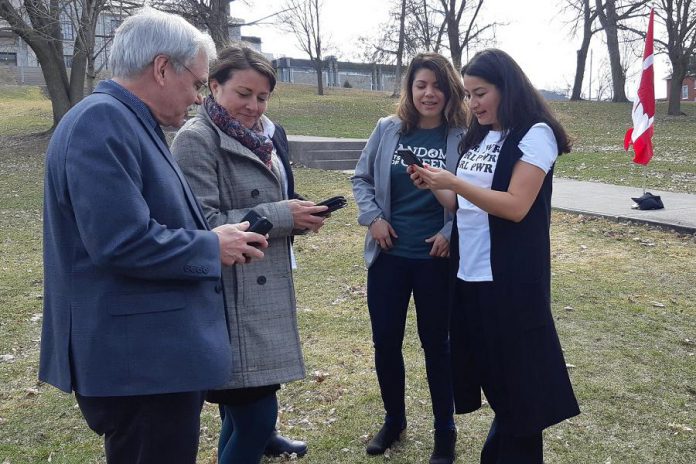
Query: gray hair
x,y
143,36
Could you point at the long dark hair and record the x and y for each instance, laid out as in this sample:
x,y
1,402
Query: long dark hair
x,y
454,113
521,105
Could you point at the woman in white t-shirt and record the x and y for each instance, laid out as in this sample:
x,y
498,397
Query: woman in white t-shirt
x,y
502,332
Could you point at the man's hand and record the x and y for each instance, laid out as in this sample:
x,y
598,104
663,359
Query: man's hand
x,y
303,215
238,246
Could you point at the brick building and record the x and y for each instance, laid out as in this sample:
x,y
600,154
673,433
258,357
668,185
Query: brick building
x,y
688,88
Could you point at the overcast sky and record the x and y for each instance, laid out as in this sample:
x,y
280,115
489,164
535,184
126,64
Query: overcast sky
x,y
536,35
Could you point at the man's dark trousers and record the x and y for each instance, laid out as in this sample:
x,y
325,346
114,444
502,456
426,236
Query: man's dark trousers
x,y
146,429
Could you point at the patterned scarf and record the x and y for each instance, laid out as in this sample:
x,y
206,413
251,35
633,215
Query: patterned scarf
x,y
253,138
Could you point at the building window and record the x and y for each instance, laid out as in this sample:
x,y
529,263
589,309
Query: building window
x,y
68,60
685,92
8,58
67,28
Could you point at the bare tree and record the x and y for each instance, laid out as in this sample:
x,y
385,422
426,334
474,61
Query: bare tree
x,y
303,19
38,23
427,26
400,50
460,38
679,17
584,15
613,15
210,15
392,46
604,87
423,28
118,11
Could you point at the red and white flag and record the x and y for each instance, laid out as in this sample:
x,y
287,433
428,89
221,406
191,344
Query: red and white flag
x,y
643,114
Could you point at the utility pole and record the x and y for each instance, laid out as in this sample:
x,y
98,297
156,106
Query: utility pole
x,y
589,92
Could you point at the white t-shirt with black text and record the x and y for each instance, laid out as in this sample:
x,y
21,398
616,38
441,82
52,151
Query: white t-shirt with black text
x,y
477,166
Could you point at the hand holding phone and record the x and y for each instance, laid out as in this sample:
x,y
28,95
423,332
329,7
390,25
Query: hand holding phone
x,y
333,204
257,223
409,158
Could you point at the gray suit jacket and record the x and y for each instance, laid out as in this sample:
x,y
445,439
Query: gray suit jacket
x,y
372,179
229,180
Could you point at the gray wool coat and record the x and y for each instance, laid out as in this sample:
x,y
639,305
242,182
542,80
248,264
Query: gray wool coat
x,y
229,180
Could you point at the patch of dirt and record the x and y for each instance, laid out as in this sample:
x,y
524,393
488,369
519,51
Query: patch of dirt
x,y
24,145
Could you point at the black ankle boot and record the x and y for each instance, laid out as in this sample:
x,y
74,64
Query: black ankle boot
x,y
384,439
279,445
443,452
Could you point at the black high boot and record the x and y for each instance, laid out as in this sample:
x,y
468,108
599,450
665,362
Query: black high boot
x,y
384,439
443,451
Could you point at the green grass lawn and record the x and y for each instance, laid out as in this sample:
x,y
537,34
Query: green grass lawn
x,y
598,129
623,299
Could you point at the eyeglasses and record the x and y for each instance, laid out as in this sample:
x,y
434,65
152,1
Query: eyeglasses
x,y
201,85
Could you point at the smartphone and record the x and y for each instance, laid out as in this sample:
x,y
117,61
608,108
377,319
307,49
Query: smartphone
x,y
252,216
262,226
257,223
410,158
333,204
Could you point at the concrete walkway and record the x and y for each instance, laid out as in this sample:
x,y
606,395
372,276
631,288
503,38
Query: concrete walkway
x,y
613,201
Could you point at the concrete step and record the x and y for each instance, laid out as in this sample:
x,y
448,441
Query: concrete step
x,y
333,165
325,152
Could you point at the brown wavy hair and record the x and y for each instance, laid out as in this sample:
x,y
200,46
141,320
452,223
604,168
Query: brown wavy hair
x,y
238,58
448,80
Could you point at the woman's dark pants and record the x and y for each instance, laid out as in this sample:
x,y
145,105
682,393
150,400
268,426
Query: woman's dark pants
x,y
390,282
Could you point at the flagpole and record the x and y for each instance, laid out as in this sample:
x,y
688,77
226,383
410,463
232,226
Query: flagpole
x,y
643,112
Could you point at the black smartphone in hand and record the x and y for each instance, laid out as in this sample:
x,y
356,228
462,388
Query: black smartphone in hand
x,y
257,223
333,204
410,158
251,216
261,226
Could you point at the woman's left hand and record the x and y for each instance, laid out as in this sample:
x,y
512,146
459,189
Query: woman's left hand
x,y
440,248
431,178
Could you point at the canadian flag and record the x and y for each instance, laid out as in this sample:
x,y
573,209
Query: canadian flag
x,y
643,114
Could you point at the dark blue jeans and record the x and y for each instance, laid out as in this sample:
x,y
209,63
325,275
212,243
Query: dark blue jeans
x,y
390,282
246,429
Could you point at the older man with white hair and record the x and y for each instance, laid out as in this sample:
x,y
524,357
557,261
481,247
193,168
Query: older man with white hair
x,y
134,318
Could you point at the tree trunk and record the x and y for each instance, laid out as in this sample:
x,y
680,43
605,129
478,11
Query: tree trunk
x,y
582,52
217,23
453,37
56,83
90,76
608,18
580,71
400,50
679,68
318,66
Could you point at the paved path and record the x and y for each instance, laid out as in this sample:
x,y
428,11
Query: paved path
x,y
615,202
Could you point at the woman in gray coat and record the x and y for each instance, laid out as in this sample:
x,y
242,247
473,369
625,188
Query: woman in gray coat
x,y
229,159
407,242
